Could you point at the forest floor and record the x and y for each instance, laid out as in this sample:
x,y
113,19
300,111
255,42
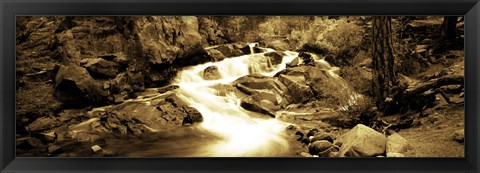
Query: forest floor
x,y
434,137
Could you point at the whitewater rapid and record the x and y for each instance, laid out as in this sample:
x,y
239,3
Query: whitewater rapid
x,y
242,134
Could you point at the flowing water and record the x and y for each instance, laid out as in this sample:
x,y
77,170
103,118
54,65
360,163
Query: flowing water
x,y
242,133
227,129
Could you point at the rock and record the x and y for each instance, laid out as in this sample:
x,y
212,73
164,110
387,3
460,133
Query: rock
x,y
305,154
312,132
43,123
193,116
338,143
397,144
167,88
100,67
362,141
333,154
63,133
459,135
328,152
392,154
299,135
440,100
75,86
322,136
275,58
216,55
307,58
118,57
229,50
294,63
291,127
248,50
278,45
258,82
168,38
47,137
297,88
319,146
96,148
72,115
54,149
251,104
29,143
315,48
211,73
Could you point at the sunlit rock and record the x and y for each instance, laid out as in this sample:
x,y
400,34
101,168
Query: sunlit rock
x,y
96,148
297,88
362,141
397,144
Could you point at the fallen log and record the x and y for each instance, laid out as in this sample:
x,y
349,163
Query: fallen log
x,y
434,83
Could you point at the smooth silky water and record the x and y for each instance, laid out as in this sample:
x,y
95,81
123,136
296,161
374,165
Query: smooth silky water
x,y
228,130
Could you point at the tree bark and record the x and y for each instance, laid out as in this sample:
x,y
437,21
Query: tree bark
x,y
449,25
384,75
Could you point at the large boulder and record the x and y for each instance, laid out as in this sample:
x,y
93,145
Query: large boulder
x,y
229,50
397,144
193,116
297,88
362,141
101,67
258,82
275,58
264,94
74,85
164,39
215,54
260,106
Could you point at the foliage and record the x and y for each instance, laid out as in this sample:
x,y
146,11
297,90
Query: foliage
x,y
363,112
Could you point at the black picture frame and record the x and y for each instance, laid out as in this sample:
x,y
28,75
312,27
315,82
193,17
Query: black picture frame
x,y
9,9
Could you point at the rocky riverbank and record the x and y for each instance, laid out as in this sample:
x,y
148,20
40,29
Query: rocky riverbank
x,y
88,85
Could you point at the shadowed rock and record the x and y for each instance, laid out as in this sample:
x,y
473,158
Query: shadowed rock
x,y
43,123
211,73
101,67
275,57
74,85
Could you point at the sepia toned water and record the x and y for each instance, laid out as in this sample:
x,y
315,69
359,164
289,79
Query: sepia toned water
x,y
242,134
228,130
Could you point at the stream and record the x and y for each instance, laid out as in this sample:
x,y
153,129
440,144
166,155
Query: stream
x,y
227,130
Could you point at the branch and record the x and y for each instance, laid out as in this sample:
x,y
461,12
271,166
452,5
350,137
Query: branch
x,y
434,83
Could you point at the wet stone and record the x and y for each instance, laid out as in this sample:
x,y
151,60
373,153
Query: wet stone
x,y
319,146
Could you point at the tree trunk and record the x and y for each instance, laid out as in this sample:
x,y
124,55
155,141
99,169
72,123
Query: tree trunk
x,y
449,25
384,75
